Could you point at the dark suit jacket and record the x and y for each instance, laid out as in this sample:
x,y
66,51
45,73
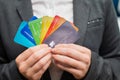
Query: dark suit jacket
x,y
99,32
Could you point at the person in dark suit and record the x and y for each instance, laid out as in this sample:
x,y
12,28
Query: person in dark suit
x,y
95,56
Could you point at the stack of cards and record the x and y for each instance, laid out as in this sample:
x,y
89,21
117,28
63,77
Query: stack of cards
x,y
48,30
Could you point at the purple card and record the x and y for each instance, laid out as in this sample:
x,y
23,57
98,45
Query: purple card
x,y
64,34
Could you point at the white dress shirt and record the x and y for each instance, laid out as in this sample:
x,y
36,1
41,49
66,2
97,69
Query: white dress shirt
x,y
63,8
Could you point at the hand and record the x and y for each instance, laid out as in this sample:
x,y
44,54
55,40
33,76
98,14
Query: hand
x,y
33,62
72,58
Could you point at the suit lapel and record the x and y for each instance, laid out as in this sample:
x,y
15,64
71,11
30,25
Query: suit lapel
x,y
24,9
81,15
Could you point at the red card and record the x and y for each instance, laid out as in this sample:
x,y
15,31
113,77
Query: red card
x,y
56,23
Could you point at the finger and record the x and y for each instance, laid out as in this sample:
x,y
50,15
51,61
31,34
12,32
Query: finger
x,y
38,66
74,46
27,53
39,74
71,53
78,74
69,62
37,56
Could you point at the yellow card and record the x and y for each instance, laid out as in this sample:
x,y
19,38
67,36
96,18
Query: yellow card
x,y
46,22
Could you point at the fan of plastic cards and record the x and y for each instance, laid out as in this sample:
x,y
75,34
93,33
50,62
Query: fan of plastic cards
x,y
48,30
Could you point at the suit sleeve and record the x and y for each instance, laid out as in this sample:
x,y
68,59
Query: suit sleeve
x,y
105,65
8,69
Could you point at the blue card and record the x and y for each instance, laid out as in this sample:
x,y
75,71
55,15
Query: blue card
x,y
27,33
33,18
20,39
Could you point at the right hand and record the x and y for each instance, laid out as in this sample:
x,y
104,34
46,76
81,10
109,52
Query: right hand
x,y
33,62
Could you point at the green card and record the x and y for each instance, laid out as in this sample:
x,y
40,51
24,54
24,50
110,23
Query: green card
x,y
35,27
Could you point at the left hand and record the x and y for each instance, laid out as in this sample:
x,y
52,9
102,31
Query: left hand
x,y
72,58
